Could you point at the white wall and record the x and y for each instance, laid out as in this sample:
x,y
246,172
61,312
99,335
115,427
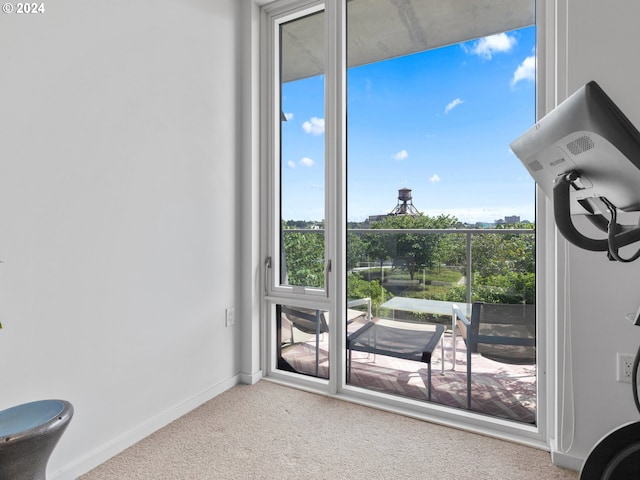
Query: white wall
x,y
120,147
597,41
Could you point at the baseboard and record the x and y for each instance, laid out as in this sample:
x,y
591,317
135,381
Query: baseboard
x,y
564,460
251,378
130,438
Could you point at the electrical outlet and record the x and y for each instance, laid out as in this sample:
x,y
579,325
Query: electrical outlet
x,y
229,316
625,367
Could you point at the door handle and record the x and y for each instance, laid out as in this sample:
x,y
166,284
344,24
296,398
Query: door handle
x,y
267,266
327,271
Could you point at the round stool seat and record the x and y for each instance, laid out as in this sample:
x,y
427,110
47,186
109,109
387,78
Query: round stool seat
x,y
28,435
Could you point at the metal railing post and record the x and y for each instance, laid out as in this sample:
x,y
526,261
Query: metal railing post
x,y
468,272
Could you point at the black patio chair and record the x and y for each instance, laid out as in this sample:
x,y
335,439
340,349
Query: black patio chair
x,y
501,332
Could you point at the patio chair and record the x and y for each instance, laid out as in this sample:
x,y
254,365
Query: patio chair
x,y
306,320
501,332
353,314
313,322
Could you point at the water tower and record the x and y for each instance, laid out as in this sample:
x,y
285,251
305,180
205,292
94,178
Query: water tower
x,y
405,204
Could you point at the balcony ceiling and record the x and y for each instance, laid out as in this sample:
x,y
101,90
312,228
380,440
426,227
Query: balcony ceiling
x,y
380,30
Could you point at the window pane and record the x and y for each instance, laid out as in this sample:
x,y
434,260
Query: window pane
x,y
434,98
302,151
302,340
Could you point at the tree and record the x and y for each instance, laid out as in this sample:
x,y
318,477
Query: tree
x,y
357,288
356,250
377,247
304,257
451,249
413,251
500,254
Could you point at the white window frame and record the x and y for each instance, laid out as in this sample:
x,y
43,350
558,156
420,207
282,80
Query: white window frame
x,y
543,433
276,293
275,288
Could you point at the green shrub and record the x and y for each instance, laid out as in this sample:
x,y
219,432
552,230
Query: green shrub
x,y
358,287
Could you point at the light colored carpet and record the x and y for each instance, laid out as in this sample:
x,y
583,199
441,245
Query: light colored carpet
x,y
268,431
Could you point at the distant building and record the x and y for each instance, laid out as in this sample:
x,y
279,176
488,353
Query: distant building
x,y
510,220
483,224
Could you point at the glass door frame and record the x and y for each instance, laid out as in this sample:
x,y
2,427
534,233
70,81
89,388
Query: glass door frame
x,y
335,298
333,293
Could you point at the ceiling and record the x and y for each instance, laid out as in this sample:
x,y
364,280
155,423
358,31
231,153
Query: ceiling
x,y
383,29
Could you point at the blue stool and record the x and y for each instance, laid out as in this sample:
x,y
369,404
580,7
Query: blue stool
x,y
28,435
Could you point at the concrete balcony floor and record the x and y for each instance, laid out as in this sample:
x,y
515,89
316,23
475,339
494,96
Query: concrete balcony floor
x,y
498,389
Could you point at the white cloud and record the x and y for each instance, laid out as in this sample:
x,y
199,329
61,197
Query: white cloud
x,y
435,178
452,105
486,47
288,116
291,164
306,162
314,126
525,71
401,155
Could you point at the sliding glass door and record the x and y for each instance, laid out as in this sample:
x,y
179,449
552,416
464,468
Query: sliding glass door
x,y
440,215
377,232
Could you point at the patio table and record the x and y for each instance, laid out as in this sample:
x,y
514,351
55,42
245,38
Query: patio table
x,y
421,305
409,341
436,307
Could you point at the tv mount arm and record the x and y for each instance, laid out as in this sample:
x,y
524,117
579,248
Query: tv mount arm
x,y
618,235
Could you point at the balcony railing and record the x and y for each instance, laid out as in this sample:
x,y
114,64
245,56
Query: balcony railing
x,y
491,265
495,265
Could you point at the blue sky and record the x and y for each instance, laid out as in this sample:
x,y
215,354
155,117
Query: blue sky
x,y
439,122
